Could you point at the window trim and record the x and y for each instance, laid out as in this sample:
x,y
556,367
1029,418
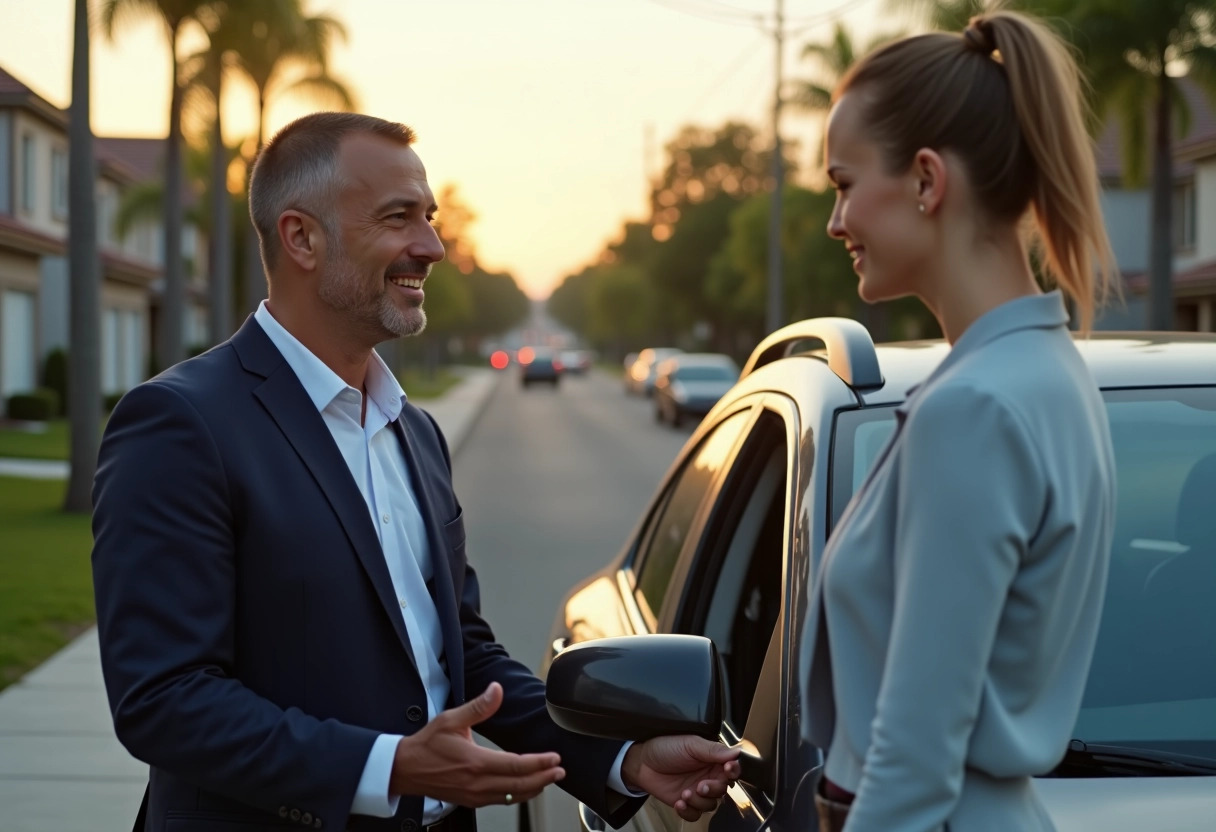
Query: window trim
x,y
638,608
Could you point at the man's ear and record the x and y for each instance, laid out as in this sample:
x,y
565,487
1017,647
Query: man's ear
x,y
929,176
301,239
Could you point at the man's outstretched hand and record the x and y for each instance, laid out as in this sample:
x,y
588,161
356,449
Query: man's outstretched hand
x,y
689,774
442,761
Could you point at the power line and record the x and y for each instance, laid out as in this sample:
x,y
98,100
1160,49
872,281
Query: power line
x,y
748,52
729,18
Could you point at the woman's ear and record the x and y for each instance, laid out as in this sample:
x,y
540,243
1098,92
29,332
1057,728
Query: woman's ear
x,y
929,176
300,238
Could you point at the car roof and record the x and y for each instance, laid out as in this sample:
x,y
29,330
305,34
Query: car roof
x,y
689,359
1116,359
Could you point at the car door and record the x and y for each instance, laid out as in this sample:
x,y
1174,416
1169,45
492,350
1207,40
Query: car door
x,y
673,523
730,585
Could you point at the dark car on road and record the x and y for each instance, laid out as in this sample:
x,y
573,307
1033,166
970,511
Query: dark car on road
x,y
729,546
539,364
690,384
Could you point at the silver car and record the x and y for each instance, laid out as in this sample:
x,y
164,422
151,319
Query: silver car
x,y
727,548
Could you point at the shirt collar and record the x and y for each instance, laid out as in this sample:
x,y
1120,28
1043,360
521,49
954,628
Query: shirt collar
x,y
1044,311
320,382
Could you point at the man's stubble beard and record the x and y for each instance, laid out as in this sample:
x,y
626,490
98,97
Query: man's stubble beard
x,y
345,290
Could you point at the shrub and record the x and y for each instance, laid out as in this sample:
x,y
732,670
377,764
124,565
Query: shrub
x,y
109,401
55,377
37,405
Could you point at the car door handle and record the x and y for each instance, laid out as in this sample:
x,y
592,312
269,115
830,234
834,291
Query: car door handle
x,y
560,644
590,820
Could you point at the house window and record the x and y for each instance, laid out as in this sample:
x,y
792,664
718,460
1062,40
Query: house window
x,y
1184,216
27,173
110,367
59,184
17,353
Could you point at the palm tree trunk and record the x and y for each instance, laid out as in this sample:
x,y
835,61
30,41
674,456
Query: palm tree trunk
x,y
84,268
172,342
1161,253
255,278
221,225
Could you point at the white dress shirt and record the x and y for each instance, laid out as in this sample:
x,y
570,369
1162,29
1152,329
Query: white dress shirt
x,y
376,462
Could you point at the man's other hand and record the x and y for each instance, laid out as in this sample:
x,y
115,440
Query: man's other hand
x,y
689,774
442,761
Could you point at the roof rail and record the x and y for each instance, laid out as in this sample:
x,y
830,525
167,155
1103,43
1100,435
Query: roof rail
x,y
851,353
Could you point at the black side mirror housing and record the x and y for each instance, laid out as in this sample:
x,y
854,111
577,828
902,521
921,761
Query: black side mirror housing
x,y
637,687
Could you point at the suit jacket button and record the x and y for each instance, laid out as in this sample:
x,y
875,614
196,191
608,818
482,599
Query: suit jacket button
x,y
316,823
409,825
294,814
306,818
282,811
414,713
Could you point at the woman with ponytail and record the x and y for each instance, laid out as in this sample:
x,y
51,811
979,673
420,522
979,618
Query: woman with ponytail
x,y
951,627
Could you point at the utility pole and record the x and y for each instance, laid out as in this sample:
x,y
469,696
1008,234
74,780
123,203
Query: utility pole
x,y
775,316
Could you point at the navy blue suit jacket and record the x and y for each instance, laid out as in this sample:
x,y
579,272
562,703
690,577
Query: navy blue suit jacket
x,y
251,641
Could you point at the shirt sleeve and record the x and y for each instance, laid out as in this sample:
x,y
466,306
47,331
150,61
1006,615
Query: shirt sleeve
x,y
371,795
971,495
615,781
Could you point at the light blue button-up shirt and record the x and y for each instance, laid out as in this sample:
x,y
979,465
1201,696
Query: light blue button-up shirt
x,y
376,462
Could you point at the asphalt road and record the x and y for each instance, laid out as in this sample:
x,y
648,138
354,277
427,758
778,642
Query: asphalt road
x,y
552,483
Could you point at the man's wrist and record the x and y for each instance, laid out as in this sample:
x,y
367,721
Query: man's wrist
x,y
631,768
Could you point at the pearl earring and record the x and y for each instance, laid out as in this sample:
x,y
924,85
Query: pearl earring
x,y
920,206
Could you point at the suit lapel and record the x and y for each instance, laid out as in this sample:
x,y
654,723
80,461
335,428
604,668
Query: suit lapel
x,y
294,412
444,595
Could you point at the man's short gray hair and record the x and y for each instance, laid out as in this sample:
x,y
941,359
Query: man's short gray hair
x,y
298,169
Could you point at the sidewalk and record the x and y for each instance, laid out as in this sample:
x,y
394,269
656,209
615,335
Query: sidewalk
x,y
61,768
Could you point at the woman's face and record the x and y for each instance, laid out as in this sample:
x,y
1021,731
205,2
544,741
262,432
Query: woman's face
x,y
876,214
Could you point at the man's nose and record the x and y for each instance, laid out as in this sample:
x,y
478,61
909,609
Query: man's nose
x,y
428,248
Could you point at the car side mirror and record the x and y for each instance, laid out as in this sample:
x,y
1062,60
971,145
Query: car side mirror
x,y
637,687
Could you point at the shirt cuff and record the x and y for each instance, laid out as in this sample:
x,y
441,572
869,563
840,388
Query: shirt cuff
x,y
371,795
615,781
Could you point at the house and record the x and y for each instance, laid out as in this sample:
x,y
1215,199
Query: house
x,y
34,285
1128,222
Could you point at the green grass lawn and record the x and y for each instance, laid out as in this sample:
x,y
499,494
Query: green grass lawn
x,y
46,585
49,444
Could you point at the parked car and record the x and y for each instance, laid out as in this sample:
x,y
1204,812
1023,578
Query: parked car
x,y
690,384
538,364
575,362
627,366
642,372
728,547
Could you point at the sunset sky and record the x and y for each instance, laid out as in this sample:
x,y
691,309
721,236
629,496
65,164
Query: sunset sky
x,y
538,110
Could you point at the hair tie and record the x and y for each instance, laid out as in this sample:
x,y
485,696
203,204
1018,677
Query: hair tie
x,y
978,36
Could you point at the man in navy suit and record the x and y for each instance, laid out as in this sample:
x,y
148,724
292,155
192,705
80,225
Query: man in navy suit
x,y
290,631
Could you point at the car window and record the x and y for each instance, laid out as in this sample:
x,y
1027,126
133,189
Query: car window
x,y
1153,678
733,595
704,374
664,539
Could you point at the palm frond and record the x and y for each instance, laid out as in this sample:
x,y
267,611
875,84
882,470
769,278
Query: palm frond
x,y
141,202
324,88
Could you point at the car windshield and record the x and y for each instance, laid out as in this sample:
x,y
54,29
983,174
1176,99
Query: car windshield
x,y
1152,684
707,373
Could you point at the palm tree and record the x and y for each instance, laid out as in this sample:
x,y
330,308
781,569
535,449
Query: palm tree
x,y
228,32
834,59
174,14
288,53
1130,48
84,371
